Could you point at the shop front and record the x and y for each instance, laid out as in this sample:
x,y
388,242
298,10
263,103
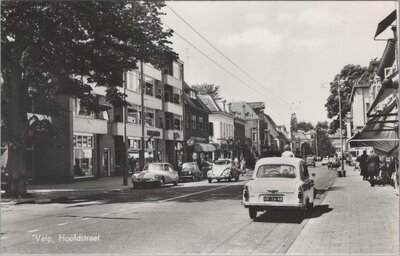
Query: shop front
x,y
83,154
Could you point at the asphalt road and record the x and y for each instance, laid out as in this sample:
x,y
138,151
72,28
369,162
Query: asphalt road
x,y
190,218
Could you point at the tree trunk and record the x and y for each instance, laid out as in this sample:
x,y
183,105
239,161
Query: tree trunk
x,y
17,130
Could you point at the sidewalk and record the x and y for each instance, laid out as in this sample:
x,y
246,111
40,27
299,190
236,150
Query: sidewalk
x,y
48,193
363,219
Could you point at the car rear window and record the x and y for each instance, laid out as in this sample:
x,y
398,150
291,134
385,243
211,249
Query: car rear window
x,y
276,171
221,162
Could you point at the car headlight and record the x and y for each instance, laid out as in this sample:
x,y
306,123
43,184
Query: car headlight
x,y
156,176
189,172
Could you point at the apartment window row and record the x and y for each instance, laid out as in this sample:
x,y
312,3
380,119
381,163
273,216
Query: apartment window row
x,y
135,143
226,130
134,115
195,122
173,95
132,79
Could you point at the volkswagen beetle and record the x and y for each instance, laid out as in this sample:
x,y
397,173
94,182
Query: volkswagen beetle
x,y
279,183
223,169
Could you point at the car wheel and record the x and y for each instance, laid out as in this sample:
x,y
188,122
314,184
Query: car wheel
x,y
237,178
218,180
252,213
162,182
175,183
209,180
135,186
230,178
193,178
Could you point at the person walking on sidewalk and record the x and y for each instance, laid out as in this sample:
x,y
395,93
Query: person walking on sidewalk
x,y
373,168
363,164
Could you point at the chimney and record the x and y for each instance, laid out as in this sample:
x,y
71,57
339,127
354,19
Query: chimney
x,y
243,111
229,107
223,102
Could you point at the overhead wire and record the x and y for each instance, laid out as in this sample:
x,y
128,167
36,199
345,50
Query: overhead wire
x,y
219,65
220,52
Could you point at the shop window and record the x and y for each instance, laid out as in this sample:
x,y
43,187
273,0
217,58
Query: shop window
x,y
134,143
193,121
201,123
83,155
150,144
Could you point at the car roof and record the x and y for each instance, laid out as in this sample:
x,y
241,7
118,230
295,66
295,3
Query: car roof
x,y
280,160
223,159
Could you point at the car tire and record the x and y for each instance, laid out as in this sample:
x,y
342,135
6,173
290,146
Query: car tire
x,y
193,178
237,178
209,180
230,178
252,213
175,183
218,180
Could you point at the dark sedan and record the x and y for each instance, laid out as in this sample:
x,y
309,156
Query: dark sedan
x,y
190,171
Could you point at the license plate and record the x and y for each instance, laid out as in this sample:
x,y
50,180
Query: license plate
x,y
273,199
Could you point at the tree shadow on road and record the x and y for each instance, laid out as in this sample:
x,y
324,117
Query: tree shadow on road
x,y
292,216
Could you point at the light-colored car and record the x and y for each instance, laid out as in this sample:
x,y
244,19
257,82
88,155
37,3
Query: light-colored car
x,y
223,169
324,161
190,171
310,161
156,173
279,183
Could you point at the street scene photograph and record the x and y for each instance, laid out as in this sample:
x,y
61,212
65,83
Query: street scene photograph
x,y
200,127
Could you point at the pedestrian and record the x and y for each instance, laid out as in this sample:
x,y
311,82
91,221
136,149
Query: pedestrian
x,y
363,164
373,168
243,166
288,152
132,163
236,161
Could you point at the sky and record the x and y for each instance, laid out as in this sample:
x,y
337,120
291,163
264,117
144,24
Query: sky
x,y
291,50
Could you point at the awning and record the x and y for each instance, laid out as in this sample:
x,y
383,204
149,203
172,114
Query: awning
x,y
380,132
385,96
386,22
203,147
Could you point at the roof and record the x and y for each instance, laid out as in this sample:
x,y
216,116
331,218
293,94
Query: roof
x,y
193,103
385,23
210,103
279,160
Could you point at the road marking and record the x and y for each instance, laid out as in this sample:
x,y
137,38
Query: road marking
x,y
84,218
33,230
105,214
62,224
191,194
4,237
121,210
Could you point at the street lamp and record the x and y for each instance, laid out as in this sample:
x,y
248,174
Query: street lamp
x,y
343,172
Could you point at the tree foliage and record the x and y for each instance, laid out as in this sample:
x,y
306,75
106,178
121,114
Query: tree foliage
x,y
350,74
56,48
305,126
323,141
208,89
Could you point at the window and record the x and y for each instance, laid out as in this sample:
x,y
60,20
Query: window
x,y
276,171
149,116
80,110
201,123
177,70
133,114
150,144
149,85
83,155
193,121
192,94
168,123
132,81
211,129
178,123
254,136
134,143
177,94
187,122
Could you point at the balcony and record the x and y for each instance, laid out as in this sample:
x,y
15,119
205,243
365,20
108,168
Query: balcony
x,y
133,130
173,81
148,70
173,108
169,135
149,101
89,124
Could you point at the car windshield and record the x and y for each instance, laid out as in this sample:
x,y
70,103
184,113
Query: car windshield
x,y
155,167
221,162
310,158
188,166
276,171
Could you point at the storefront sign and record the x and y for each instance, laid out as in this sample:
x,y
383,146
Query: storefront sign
x,y
153,133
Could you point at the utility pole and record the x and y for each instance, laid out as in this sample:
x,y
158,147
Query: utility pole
x,y
398,66
316,143
343,173
142,88
125,170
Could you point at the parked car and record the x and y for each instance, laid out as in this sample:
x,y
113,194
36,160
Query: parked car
x,y
310,161
325,161
223,169
206,166
155,173
279,183
190,171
